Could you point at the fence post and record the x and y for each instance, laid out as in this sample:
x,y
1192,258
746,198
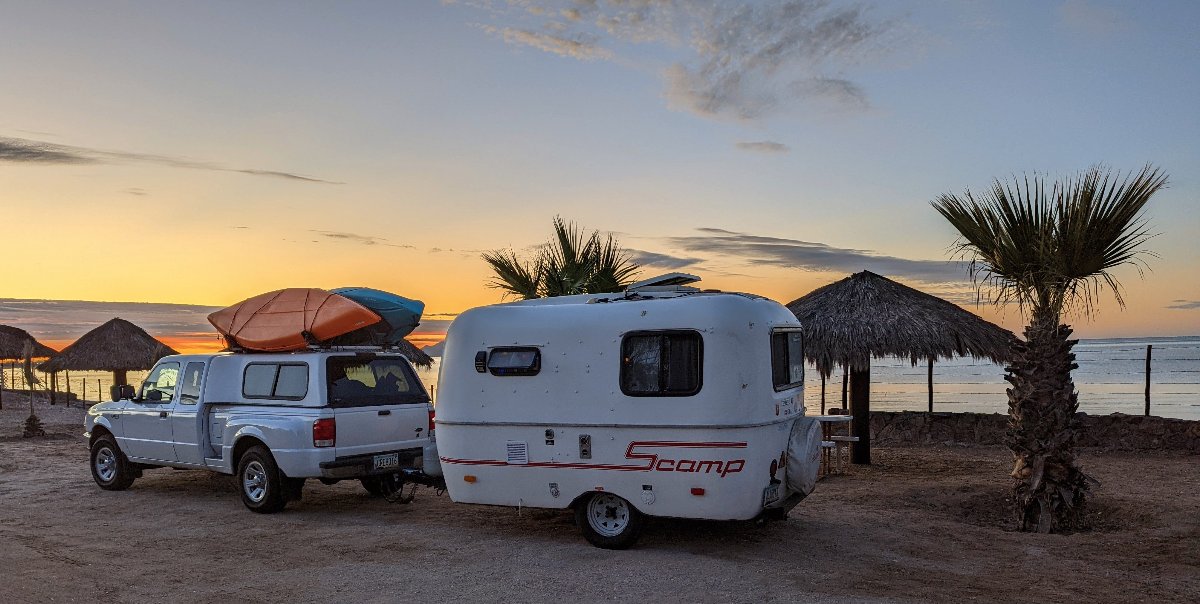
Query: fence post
x,y
1149,349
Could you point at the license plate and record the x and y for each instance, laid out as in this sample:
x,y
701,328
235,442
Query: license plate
x,y
391,460
771,494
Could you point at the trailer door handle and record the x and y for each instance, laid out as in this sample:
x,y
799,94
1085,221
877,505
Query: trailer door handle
x,y
386,412
162,413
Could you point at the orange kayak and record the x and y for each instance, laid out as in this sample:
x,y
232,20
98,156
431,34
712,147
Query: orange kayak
x,y
289,319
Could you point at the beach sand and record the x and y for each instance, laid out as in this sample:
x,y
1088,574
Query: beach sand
x,y
922,524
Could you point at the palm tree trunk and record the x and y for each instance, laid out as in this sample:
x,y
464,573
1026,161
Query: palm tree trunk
x,y
1049,487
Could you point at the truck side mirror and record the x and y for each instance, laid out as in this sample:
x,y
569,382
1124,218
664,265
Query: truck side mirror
x,y
154,396
120,392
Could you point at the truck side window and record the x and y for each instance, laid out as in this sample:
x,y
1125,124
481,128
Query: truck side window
x,y
162,380
662,363
189,388
787,359
287,381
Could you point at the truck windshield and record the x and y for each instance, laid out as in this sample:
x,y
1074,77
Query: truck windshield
x,y
358,381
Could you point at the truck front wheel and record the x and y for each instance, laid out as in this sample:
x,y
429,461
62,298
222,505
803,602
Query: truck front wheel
x,y
110,468
262,486
608,521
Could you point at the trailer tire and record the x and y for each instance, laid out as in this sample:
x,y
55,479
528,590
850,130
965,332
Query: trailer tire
x,y
110,468
261,482
608,521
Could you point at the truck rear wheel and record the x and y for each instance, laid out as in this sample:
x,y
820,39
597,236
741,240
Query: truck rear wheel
x,y
262,486
110,468
608,521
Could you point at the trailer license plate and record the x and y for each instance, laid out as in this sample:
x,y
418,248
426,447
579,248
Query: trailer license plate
x,y
771,494
391,460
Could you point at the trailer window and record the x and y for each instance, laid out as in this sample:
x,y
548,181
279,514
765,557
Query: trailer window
x,y
661,363
787,359
367,380
515,361
287,381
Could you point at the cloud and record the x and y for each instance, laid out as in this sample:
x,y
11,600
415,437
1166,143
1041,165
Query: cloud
x,y
764,147
660,260
356,238
1185,305
816,257
1087,18
578,46
138,191
733,59
19,150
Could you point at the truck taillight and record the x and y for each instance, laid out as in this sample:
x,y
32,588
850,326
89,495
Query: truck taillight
x,y
430,433
325,432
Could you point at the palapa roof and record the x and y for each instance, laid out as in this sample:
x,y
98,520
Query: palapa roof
x,y
414,354
12,344
866,315
114,346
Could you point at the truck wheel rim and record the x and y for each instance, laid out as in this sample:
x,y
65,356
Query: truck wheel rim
x,y
608,514
106,464
254,481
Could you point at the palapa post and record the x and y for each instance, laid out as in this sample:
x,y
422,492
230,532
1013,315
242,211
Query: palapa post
x,y
865,315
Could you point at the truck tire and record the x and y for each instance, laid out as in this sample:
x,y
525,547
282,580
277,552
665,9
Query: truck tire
x,y
110,468
262,485
608,521
384,485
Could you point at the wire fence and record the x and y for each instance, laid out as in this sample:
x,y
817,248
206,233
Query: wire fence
x,y
1111,378
1114,376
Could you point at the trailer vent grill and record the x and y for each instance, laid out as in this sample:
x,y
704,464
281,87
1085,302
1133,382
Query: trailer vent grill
x,y
518,452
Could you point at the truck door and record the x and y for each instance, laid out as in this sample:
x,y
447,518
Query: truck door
x,y
148,419
187,420
378,402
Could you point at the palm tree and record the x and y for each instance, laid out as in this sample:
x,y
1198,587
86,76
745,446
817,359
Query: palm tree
x,y
568,264
1051,248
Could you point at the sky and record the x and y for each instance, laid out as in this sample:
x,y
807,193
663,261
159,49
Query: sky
x,y
159,160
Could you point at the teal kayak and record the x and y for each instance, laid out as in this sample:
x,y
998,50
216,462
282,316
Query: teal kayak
x,y
400,316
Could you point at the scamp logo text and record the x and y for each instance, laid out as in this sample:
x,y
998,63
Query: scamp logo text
x,y
671,456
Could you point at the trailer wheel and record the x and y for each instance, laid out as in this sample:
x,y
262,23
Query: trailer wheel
x,y
262,486
608,521
111,470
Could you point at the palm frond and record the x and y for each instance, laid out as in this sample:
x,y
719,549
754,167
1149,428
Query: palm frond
x,y
1053,245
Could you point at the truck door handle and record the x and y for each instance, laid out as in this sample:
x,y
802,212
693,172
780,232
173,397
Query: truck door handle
x,y
385,412
162,413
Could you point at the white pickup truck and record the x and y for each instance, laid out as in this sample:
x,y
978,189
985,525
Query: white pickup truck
x,y
273,419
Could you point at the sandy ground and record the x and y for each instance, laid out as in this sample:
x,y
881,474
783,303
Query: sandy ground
x,y
922,524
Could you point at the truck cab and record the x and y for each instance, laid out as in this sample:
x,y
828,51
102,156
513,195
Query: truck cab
x,y
275,419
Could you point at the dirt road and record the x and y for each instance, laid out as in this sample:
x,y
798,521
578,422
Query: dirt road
x,y
922,524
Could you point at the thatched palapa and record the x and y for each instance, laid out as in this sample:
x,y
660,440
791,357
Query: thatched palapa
x,y
865,315
117,346
414,354
12,344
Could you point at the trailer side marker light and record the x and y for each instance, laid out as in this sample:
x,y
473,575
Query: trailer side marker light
x,y
470,478
698,491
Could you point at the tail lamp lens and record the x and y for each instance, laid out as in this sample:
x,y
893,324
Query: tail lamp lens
x,y
325,432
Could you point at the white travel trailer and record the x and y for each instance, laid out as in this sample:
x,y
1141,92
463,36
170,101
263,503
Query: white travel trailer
x,y
663,400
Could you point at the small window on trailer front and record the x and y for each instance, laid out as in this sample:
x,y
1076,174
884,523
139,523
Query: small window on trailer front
x,y
662,363
514,360
787,359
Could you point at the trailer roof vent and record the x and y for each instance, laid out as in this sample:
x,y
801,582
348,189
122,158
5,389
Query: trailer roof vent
x,y
674,282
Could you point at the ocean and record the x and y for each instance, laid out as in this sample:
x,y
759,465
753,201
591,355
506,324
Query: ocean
x,y
1111,378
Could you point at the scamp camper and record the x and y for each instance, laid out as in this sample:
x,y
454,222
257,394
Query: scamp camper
x,y
663,400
